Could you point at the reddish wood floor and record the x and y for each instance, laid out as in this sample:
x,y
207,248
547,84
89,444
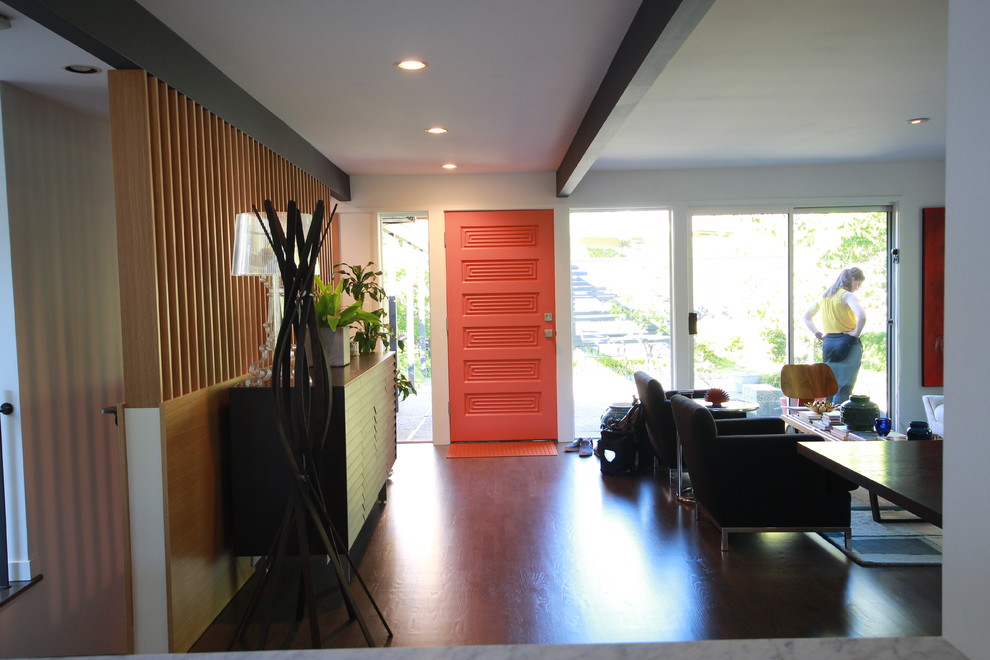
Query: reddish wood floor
x,y
546,550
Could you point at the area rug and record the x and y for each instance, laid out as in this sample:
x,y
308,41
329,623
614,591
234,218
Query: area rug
x,y
499,449
907,543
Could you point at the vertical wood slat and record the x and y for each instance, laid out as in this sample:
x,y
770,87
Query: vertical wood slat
x,y
208,264
134,195
203,244
200,243
223,237
178,331
217,256
168,266
232,154
189,289
160,174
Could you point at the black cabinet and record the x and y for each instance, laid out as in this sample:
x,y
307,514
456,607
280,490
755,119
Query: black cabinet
x,y
356,461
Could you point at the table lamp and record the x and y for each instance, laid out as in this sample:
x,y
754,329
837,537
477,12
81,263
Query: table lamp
x,y
253,256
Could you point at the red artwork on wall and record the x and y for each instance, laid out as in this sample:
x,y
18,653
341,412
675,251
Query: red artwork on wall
x,y
932,296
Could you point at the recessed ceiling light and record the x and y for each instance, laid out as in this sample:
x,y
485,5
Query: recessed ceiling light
x,y
412,65
82,68
918,120
449,166
436,130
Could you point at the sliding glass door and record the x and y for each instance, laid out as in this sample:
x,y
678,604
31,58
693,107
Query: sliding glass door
x,y
620,301
754,275
740,298
825,242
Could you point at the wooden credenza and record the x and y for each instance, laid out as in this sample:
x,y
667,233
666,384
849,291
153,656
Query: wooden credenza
x,y
360,453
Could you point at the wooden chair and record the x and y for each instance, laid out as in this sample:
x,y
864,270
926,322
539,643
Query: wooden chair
x,y
808,382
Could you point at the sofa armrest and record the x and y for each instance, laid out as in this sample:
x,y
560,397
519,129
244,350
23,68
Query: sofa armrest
x,y
750,426
756,444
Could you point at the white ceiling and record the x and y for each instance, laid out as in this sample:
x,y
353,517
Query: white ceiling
x,y
33,58
759,82
782,82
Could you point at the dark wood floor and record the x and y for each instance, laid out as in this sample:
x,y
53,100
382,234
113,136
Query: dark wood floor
x,y
545,550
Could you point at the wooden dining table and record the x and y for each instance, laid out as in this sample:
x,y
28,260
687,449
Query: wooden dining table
x,y
906,473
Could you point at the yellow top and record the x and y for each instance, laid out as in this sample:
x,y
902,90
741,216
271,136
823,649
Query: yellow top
x,y
836,315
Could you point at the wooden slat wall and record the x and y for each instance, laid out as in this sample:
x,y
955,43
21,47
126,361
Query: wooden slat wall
x,y
190,330
187,173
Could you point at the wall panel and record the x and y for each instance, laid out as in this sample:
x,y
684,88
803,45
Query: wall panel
x,y
195,174
62,323
190,330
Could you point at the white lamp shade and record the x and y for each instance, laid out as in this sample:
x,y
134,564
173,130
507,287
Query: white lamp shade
x,y
253,254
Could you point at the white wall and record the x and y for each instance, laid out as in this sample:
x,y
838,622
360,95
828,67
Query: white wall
x,y
358,238
966,574
18,553
908,186
63,263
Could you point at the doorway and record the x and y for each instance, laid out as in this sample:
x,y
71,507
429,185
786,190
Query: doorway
x,y
755,274
406,278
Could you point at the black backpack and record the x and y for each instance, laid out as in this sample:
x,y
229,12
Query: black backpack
x,y
618,446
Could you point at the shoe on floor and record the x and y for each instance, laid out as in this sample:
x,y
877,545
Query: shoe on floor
x,y
585,449
574,446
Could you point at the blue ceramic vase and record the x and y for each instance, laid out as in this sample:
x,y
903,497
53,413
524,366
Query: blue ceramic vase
x,y
614,414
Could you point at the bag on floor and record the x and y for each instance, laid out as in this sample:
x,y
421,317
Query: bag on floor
x,y
616,451
618,447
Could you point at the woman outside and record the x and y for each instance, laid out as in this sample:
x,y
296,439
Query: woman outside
x,y
843,320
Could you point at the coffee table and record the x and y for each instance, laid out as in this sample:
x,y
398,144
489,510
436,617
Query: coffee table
x,y
907,473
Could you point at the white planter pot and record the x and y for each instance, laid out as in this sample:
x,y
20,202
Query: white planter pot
x,y
336,346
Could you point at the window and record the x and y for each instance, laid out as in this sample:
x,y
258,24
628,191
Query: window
x,y
755,274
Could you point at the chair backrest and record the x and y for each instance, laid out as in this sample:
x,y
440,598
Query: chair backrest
x,y
698,433
659,418
807,382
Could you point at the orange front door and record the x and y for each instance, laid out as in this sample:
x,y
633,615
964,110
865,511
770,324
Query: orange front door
x,y
501,326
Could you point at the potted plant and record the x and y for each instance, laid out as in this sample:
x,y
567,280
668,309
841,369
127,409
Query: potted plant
x,y
361,283
335,320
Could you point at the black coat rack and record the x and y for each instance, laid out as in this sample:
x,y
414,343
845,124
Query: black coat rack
x,y
302,392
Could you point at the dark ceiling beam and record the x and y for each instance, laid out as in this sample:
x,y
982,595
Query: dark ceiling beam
x,y
125,35
657,31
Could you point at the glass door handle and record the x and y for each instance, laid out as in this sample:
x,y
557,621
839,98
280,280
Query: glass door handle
x,y
693,323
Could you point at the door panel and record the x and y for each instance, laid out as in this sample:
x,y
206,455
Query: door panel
x,y
500,287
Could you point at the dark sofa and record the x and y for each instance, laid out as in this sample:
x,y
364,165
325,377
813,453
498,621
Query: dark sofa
x,y
748,477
